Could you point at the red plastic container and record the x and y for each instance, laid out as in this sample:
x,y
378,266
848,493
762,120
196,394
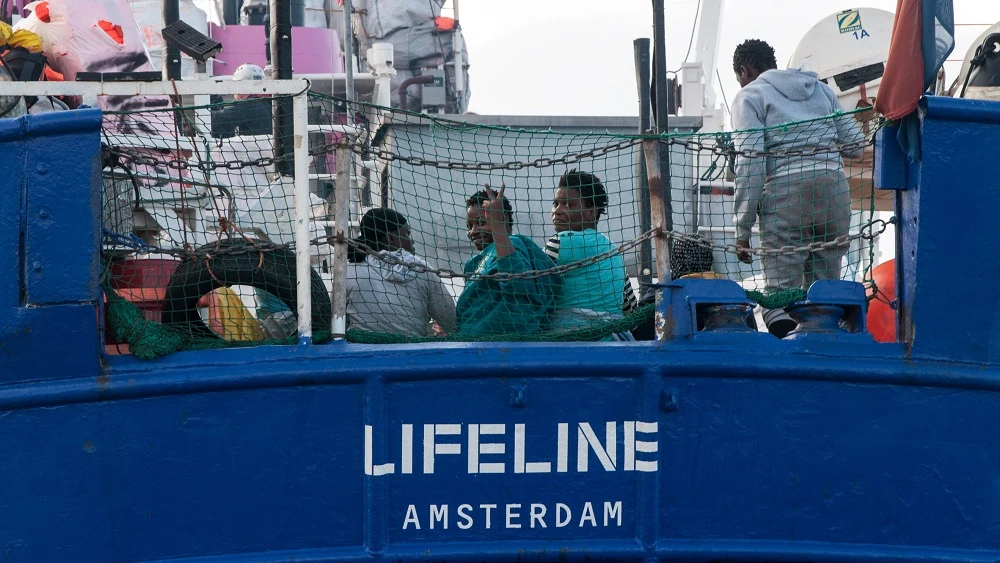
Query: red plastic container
x,y
143,281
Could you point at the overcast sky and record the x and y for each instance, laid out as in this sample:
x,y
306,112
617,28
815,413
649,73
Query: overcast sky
x,y
574,57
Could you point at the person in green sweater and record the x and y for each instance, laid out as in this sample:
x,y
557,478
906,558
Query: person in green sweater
x,y
493,306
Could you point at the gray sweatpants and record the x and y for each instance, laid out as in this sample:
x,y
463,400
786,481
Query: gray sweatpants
x,y
797,210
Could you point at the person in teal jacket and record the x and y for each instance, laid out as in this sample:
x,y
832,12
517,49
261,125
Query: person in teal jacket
x,y
491,306
598,292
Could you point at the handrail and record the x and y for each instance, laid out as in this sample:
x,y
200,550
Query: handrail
x,y
161,88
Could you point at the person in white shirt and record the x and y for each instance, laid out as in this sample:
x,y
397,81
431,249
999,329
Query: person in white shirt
x,y
801,197
386,292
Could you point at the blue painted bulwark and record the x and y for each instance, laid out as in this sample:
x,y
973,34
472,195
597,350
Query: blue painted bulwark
x,y
62,210
714,445
11,202
948,291
892,168
50,236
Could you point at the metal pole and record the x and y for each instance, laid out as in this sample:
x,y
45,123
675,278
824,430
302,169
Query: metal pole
x,y
281,69
231,12
641,48
172,55
303,219
342,231
662,112
349,54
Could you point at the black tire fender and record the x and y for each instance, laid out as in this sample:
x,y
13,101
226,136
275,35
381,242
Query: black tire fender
x,y
237,262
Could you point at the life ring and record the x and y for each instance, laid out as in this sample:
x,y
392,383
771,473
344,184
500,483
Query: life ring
x,y
237,262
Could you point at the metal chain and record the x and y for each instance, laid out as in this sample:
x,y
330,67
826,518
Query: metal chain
x,y
385,155
694,145
867,232
530,274
144,159
361,147
140,246
713,146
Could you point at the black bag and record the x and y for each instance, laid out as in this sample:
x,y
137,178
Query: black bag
x,y
23,65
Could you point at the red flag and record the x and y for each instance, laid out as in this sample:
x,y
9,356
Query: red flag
x,y
923,35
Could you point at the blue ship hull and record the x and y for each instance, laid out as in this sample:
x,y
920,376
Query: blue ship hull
x,y
704,447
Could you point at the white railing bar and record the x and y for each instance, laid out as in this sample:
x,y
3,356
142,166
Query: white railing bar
x,y
161,88
366,79
303,268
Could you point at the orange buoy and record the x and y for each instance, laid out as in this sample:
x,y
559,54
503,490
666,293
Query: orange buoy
x,y
881,315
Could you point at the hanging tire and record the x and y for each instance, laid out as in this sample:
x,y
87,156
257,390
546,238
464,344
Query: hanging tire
x,y
236,262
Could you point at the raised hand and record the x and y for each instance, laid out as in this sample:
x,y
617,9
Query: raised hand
x,y
496,221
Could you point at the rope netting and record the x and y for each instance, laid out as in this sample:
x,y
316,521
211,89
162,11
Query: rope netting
x,y
457,231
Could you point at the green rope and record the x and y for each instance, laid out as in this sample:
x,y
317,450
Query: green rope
x,y
589,334
777,299
146,339
149,340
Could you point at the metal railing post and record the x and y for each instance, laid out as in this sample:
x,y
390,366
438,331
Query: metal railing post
x,y
303,217
641,51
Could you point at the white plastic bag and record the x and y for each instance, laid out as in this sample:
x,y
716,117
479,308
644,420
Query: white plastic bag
x,y
74,40
98,36
149,17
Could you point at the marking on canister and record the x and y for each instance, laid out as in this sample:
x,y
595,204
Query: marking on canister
x,y
848,21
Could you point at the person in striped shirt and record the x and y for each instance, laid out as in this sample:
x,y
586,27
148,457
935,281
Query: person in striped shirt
x,y
596,292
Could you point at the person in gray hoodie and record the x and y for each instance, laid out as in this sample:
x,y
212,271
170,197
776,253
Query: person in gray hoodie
x,y
387,287
800,198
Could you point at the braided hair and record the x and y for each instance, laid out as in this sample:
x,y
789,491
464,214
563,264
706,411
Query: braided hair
x,y
755,54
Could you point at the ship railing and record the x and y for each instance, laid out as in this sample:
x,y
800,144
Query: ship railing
x,y
298,91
